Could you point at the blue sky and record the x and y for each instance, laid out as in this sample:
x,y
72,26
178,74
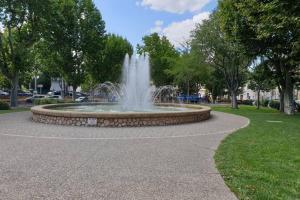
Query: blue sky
x,y
135,18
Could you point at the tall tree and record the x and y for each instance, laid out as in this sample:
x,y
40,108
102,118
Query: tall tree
x,y
224,55
163,56
189,71
21,25
114,53
76,39
215,83
269,29
260,80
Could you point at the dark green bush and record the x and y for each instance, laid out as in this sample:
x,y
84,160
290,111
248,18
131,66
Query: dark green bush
x,y
50,101
247,102
265,103
4,105
275,104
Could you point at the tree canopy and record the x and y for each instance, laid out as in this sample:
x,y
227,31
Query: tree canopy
x,y
225,55
269,29
163,56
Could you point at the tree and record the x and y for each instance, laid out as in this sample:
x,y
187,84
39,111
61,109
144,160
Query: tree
x,y
189,71
76,39
269,29
215,83
21,24
114,53
225,55
4,83
163,56
260,80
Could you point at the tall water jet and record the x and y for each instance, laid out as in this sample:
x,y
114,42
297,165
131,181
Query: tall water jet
x,y
136,83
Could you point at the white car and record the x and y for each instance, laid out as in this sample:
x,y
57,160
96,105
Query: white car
x,y
55,97
2,93
81,99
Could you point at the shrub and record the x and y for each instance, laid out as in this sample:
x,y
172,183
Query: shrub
x,y
4,105
50,101
265,103
275,104
247,102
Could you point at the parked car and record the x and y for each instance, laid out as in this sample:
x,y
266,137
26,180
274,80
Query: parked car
x,y
2,93
31,99
24,94
81,99
55,97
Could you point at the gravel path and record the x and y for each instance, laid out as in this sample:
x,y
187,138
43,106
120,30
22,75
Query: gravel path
x,y
39,161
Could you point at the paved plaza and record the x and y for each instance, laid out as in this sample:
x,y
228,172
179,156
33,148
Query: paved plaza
x,y
39,161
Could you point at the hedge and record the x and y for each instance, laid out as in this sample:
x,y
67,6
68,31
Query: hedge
x,y
275,104
44,101
4,105
247,102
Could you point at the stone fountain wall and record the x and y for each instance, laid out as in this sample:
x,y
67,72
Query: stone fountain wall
x,y
45,115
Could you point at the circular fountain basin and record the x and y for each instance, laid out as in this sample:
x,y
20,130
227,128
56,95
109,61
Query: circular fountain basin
x,y
111,115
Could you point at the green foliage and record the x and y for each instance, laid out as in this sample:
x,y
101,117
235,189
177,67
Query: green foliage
x,y
21,21
4,82
265,103
268,29
248,102
50,101
76,40
261,78
215,84
225,55
4,105
189,71
163,56
115,50
274,104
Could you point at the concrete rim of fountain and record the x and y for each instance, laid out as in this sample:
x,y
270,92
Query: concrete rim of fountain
x,y
44,114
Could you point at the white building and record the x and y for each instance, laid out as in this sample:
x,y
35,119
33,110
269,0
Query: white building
x,y
274,94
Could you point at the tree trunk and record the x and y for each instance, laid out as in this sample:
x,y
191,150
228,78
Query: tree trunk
x,y
281,109
258,99
188,91
62,92
74,92
213,99
14,91
92,94
234,103
288,95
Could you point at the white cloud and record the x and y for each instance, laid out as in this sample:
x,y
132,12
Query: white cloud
x,y
174,6
180,32
159,23
158,27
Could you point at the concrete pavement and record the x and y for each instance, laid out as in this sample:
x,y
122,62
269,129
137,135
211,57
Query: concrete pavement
x,y
39,161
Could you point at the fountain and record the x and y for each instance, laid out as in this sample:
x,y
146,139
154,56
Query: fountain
x,y
136,105
136,83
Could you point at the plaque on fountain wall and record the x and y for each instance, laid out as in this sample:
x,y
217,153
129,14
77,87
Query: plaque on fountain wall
x,y
92,121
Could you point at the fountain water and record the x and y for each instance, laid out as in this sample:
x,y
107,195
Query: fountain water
x,y
136,83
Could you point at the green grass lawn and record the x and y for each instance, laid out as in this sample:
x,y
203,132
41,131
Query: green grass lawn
x,y
14,110
262,161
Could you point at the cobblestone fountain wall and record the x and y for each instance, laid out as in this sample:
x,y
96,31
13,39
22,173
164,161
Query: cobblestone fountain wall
x,y
44,114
